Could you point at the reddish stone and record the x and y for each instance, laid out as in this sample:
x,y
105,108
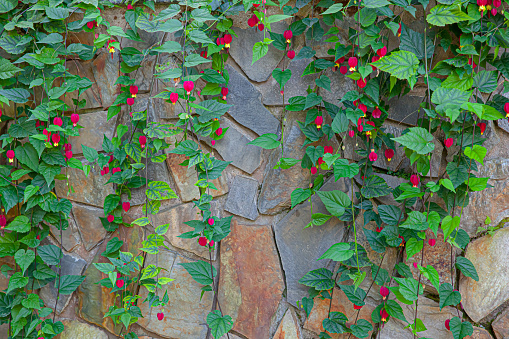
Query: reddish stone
x,y
501,325
251,282
289,327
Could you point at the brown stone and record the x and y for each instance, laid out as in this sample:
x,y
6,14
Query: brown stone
x,y
251,282
185,315
481,333
90,190
438,256
501,325
289,327
185,178
340,303
489,256
92,95
106,72
96,126
77,330
176,217
90,226
70,236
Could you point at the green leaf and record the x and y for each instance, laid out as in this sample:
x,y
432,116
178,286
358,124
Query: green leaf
x,y
362,328
486,81
460,329
408,288
336,322
200,37
90,154
50,254
413,42
477,184
30,190
449,98
338,252
17,280
259,51
212,109
394,310
417,139
69,283
340,123
320,279
7,5
375,186
299,195
448,297
281,76
343,169
195,60
449,224
218,324
57,13
477,153
324,82
400,64
335,202
457,174
467,268
442,15
31,302
448,184
20,224
7,69
389,214
200,271
17,95
110,203
314,153
24,258
266,141
416,221
413,246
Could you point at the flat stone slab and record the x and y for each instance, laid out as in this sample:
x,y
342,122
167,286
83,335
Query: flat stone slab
x,y
242,199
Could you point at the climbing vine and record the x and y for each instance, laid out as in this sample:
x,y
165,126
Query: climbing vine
x,y
41,99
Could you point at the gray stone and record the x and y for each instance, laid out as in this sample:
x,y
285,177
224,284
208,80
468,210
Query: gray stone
x,y
234,147
503,124
76,330
300,248
242,197
93,97
340,85
91,190
70,236
185,316
501,325
489,256
321,47
247,107
278,184
89,225
405,109
395,330
70,265
106,72
96,126
242,47
296,86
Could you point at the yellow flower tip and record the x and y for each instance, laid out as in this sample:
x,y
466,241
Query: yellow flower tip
x,y
352,69
288,41
318,126
482,8
133,95
227,45
11,160
389,159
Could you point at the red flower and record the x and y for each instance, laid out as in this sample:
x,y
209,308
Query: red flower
x,y
373,156
130,101
288,34
224,92
414,179
356,307
105,170
320,161
328,149
290,54
351,133
111,49
506,109
482,126
202,241
10,155
143,141
75,118
111,159
227,40
56,139
203,54
174,97
3,221
58,121
361,83
389,154
68,154
379,228
448,142
472,63
377,113
134,90
115,170
129,7
219,131
210,221
47,134
352,62
339,62
343,70
384,292
120,283
213,142
371,123
67,147
252,21
211,243
363,108
188,86
261,27
110,218
415,265
160,316
399,30
126,206
314,170
382,51
447,324
319,121
375,58
91,24
432,242
384,315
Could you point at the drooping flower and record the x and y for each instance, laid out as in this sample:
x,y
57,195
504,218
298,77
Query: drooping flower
x,y
448,142
120,283
319,121
361,83
352,62
111,48
3,220
261,27
377,113
219,131
351,133
506,109
68,154
288,34
56,139
224,92
143,141
482,126
384,292
290,54
203,54
328,149
356,307
447,324
75,118
174,97
382,51
130,7
472,63
202,241
110,218
371,123
432,242
133,90
314,170
343,70
188,86
227,40
10,155
384,315
399,30
57,121
373,156
363,108
160,316
389,154
414,179
130,101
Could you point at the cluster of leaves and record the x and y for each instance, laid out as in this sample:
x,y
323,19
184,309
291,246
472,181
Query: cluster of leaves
x,y
460,101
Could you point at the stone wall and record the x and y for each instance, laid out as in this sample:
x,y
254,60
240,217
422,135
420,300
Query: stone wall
x,y
268,250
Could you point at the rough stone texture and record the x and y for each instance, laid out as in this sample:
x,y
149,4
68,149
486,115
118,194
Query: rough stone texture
x,y
247,107
90,226
296,86
278,184
339,86
300,248
96,126
503,124
249,258
492,202
185,315
438,256
242,198
70,236
76,330
340,303
488,254
480,333
106,71
242,47
501,325
405,109
185,178
155,171
90,190
289,327
176,217
91,95
395,330
234,147
71,265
